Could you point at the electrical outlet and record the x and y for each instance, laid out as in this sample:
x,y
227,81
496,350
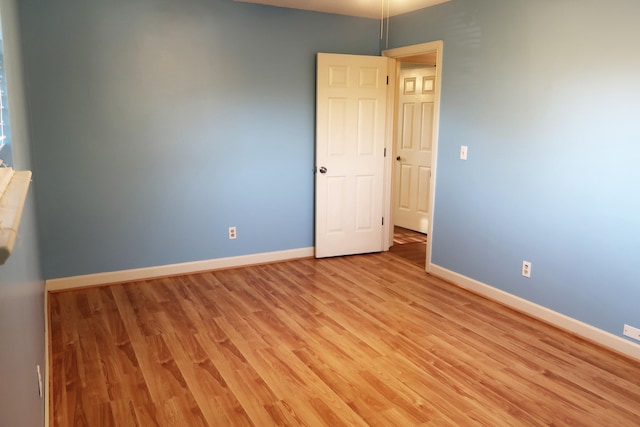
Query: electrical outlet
x,y
631,332
526,269
40,387
232,233
463,152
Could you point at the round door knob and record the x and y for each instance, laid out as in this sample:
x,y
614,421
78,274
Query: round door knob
x,y
323,169
398,158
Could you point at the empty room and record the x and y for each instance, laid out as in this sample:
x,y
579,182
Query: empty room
x,y
320,213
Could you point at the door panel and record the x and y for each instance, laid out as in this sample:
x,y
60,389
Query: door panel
x,y
413,148
424,188
336,186
364,203
405,186
426,127
350,132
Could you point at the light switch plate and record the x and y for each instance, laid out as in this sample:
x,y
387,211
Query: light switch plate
x,y
463,152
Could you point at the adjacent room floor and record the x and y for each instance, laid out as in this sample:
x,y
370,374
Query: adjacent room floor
x,y
410,245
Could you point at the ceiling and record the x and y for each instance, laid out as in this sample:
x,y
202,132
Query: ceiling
x,y
362,8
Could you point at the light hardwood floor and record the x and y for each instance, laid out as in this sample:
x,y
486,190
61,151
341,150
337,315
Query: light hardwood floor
x,y
410,245
363,340
404,236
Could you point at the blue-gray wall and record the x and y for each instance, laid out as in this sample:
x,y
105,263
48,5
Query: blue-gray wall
x,y
159,124
545,94
22,336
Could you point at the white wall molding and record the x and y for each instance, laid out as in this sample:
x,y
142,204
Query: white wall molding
x,y
47,361
13,195
559,320
174,269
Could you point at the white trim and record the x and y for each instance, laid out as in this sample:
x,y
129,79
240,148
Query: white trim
x,y
47,365
416,49
559,320
387,212
174,269
398,54
12,200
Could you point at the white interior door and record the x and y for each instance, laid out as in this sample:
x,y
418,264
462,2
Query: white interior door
x,y
350,141
414,141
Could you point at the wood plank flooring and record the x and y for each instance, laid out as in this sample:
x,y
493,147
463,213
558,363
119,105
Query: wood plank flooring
x,y
362,340
404,236
410,245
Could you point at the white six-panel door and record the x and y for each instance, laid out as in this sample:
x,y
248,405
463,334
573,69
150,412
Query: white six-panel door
x,y
414,138
350,137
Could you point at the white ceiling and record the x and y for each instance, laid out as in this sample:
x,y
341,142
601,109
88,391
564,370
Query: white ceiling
x,y
362,8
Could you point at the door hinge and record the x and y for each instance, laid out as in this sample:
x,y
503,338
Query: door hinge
x,y
382,220
387,80
385,151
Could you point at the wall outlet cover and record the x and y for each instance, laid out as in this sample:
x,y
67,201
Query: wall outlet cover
x,y
631,332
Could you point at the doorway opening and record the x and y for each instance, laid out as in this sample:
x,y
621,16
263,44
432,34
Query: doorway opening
x,y
410,245
415,135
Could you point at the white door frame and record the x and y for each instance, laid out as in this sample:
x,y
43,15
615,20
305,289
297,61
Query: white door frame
x,y
399,54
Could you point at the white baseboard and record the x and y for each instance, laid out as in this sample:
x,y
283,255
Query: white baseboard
x,y
174,269
591,333
47,368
